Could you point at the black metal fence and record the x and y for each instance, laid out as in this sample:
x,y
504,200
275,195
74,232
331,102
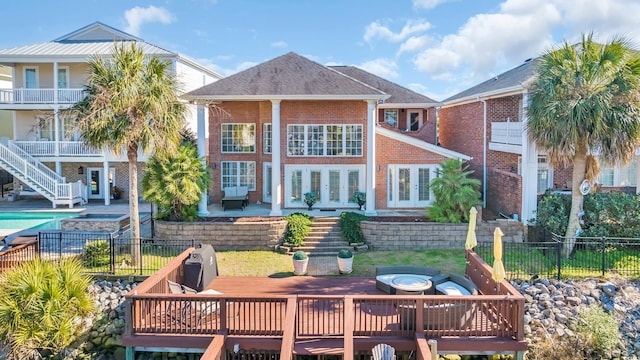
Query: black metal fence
x,y
589,257
110,253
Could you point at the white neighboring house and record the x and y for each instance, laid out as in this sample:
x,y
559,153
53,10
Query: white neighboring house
x,y
44,152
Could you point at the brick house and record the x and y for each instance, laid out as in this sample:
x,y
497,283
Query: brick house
x,y
290,126
488,122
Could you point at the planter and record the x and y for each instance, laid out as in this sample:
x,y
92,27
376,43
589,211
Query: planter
x,y
345,265
309,206
360,204
300,266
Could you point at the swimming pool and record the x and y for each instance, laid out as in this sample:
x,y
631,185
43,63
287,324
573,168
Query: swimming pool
x,y
41,220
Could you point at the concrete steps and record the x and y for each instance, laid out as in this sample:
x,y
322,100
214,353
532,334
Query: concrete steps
x,y
324,239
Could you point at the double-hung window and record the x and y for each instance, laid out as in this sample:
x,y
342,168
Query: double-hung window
x,y
238,173
238,138
267,138
324,140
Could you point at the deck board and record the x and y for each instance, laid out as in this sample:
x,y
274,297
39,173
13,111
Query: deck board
x,y
295,285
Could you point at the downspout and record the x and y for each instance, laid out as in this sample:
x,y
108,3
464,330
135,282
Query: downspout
x,y
484,152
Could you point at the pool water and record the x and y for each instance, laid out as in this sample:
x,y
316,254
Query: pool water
x,y
40,220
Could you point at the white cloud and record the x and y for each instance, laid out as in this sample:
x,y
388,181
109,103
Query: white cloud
x,y
382,67
138,16
279,44
377,30
521,29
427,4
605,18
414,43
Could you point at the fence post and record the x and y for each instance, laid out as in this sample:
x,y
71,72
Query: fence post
x,y
112,253
558,256
139,240
59,246
604,245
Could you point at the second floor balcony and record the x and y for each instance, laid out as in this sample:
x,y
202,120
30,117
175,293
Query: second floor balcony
x,y
506,132
12,97
57,148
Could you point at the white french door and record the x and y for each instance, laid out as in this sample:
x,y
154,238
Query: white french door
x,y
266,183
334,185
95,179
408,185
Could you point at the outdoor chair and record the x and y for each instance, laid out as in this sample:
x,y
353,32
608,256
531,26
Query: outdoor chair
x,y
189,312
383,352
235,197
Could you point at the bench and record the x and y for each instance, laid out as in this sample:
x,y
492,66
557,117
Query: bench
x,y
386,274
235,197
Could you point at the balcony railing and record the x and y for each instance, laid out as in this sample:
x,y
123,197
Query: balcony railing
x,y
65,148
41,96
506,132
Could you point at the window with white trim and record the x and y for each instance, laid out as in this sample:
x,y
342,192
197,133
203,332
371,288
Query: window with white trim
x,y
238,138
238,173
267,138
391,117
31,77
324,140
63,77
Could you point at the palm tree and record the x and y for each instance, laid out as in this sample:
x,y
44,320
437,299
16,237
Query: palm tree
x,y
175,183
584,101
455,192
131,104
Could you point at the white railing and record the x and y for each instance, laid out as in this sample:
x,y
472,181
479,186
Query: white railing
x,y
506,132
65,148
41,96
23,156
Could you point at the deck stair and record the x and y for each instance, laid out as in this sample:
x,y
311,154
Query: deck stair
x,y
325,238
33,173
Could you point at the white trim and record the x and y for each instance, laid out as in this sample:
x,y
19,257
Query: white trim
x,y
24,76
266,97
421,144
414,171
508,148
222,151
266,189
324,196
420,118
513,90
67,79
423,106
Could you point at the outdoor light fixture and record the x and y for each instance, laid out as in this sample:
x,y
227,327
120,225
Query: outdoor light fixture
x,y
236,348
80,170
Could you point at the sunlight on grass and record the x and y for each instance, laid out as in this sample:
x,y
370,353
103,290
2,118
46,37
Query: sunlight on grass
x,y
253,263
364,264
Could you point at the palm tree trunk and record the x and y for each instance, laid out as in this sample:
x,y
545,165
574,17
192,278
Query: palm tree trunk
x,y
579,171
134,217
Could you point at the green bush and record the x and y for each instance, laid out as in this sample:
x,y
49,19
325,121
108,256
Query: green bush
x,y
297,228
345,254
350,224
96,253
612,214
299,255
598,331
41,307
455,192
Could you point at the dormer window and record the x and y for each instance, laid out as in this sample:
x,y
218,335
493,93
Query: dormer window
x,y
391,117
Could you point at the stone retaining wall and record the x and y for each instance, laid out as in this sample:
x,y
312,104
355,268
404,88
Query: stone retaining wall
x,y
225,236
426,235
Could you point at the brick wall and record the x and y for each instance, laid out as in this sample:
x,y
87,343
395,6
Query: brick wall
x,y
225,236
461,131
291,112
390,151
389,236
504,192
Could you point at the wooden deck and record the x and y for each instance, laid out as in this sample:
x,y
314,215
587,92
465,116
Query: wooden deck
x,y
322,315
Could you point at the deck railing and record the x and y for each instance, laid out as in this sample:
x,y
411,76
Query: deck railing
x,y
41,96
57,148
506,132
497,313
17,255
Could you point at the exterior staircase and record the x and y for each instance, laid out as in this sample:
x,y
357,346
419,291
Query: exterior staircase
x,y
31,172
325,238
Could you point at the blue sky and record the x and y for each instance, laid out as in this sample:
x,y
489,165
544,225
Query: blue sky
x,y
435,47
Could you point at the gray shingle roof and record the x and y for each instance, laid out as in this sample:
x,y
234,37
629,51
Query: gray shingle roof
x,y
509,79
399,94
287,76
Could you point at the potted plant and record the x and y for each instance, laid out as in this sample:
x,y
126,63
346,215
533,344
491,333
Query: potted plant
x,y
116,192
359,198
345,261
300,262
310,199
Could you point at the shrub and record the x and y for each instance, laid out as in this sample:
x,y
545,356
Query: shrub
x,y
455,192
345,254
598,331
300,255
97,253
297,228
42,305
612,214
350,224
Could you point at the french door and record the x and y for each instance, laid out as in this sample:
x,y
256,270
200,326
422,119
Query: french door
x,y
334,185
408,185
95,180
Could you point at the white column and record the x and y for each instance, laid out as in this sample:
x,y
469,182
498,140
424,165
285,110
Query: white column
x,y
276,149
202,153
56,115
370,205
529,168
55,82
105,183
